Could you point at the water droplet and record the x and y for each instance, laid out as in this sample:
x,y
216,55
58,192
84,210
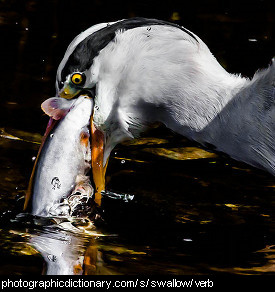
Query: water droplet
x,y
33,158
187,239
52,258
26,28
51,135
122,161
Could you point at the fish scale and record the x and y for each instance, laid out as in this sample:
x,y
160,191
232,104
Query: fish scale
x,y
63,154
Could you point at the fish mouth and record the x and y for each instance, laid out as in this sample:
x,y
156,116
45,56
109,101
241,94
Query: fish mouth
x,y
79,200
77,204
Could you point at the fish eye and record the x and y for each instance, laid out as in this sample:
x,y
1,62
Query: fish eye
x,y
78,78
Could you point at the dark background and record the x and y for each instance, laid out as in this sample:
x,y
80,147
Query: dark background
x,y
190,216
35,34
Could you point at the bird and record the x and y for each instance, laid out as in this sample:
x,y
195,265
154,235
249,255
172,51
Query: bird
x,y
140,71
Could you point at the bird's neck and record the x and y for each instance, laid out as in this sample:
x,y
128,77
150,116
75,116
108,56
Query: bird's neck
x,y
233,115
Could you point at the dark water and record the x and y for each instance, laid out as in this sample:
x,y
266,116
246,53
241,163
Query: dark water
x,y
196,214
193,212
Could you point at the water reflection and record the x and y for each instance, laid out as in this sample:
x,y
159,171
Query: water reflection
x,y
68,246
192,212
62,251
196,214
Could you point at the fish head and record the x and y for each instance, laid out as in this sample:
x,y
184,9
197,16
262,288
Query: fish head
x,y
70,121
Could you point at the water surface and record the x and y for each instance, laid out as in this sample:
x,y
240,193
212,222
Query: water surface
x,y
192,212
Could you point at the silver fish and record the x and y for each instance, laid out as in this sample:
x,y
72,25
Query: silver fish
x,y
64,158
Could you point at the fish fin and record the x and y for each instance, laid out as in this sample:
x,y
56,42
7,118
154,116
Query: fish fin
x,y
56,107
29,192
84,139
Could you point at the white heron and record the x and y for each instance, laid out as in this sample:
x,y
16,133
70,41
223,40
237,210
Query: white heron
x,y
143,71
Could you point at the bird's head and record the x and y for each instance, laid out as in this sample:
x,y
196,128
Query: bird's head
x,y
83,71
121,65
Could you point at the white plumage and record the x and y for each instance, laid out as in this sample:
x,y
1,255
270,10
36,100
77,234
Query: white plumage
x,y
161,73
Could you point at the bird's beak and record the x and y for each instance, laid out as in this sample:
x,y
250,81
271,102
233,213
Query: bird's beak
x,y
98,166
68,92
97,151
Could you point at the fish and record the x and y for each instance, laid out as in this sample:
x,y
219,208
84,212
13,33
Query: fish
x,y
60,178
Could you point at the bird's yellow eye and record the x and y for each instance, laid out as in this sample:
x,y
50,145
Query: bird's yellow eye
x,y
77,79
